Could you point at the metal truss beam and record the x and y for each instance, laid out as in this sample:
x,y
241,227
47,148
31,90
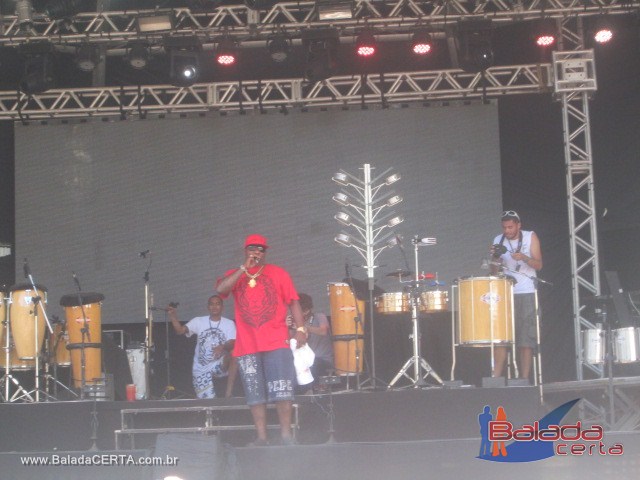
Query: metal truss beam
x,y
398,16
575,81
390,88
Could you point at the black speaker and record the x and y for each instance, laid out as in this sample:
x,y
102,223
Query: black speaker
x,y
190,455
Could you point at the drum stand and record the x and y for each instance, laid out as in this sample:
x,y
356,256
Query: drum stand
x,y
54,378
416,360
20,392
37,301
537,365
86,340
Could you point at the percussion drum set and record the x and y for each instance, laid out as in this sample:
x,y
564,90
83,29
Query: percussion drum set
x,y
28,347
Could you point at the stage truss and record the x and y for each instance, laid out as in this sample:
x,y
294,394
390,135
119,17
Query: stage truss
x,y
570,78
284,94
398,16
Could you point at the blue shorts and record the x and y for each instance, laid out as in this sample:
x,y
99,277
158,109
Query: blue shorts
x,y
268,376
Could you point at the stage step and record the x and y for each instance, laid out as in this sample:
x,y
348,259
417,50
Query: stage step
x,y
211,421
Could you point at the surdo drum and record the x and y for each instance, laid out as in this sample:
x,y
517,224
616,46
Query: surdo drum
x,y
486,311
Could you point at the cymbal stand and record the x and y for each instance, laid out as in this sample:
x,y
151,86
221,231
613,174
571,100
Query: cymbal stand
x,y
20,392
416,360
37,300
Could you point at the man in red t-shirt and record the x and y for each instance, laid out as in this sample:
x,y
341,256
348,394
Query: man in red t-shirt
x,y
263,293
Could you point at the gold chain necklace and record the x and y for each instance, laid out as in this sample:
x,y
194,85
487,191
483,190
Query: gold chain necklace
x,y
252,282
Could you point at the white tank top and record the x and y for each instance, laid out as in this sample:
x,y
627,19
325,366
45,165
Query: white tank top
x,y
524,284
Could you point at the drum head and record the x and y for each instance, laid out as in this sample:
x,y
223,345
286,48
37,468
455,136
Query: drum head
x,y
85,298
26,286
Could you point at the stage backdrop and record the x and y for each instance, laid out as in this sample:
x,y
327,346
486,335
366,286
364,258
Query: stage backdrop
x,y
91,196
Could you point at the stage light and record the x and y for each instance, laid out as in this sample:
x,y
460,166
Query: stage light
x,y
138,54
366,44
38,75
394,200
603,32
546,31
341,199
226,52
343,239
334,9
421,43
279,48
343,218
86,57
475,49
184,59
321,47
341,179
395,221
391,179
60,9
156,22
24,12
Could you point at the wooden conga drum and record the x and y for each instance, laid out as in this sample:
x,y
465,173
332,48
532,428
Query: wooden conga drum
x,y
22,314
80,309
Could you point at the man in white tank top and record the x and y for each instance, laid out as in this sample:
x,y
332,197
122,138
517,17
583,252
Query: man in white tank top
x,y
519,251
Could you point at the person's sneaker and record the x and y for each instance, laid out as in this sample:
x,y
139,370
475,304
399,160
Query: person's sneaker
x,y
258,442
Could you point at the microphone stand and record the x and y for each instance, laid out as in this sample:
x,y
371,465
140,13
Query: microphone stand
x,y
86,339
36,300
148,340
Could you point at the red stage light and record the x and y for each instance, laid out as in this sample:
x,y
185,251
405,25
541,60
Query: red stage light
x,y
226,59
366,44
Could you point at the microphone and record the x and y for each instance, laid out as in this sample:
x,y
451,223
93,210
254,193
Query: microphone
x,y
159,308
144,253
256,259
25,267
75,279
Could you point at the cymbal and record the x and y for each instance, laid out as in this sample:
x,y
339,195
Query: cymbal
x,y
399,273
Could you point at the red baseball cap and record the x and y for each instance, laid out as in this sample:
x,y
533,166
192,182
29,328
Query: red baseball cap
x,y
255,239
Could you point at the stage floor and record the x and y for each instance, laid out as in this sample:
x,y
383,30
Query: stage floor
x,y
405,434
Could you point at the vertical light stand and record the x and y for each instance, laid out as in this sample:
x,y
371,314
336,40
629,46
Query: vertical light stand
x,y
364,209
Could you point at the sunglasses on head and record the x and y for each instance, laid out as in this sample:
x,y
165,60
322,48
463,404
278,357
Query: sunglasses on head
x,y
253,248
510,214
